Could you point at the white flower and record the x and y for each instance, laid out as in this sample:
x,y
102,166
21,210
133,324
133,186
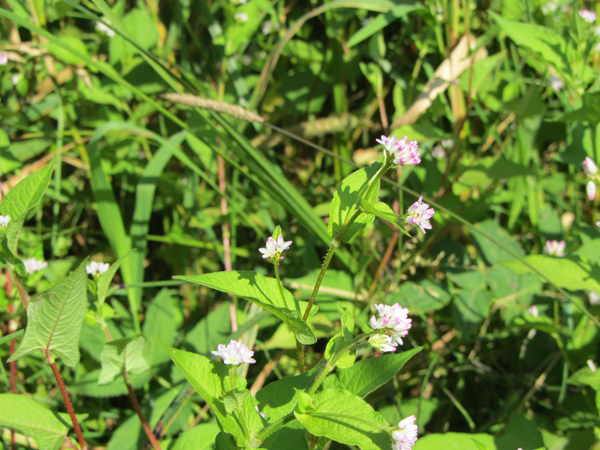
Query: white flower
x,y
241,17
549,7
405,436
591,365
235,353
383,343
15,79
393,320
594,298
97,268
589,166
33,265
239,2
403,153
555,248
419,214
534,311
3,59
4,221
438,152
597,31
103,29
269,26
555,82
274,248
590,189
587,15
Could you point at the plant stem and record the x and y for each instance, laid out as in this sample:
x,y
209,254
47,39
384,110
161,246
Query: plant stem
x,y
139,412
13,364
67,400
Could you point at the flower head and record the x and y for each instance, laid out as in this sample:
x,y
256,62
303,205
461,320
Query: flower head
x,y
590,190
241,17
393,320
403,153
594,298
96,268
274,248
555,82
4,221
555,248
33,265
533,311
383,343
587,15
104,29
419,214
3,59
589,166
405,436
591,365
235,353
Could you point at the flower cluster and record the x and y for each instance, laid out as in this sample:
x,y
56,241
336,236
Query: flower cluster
x,y
33,265
591,170
405,436
96,268
4,221
235,353
104,29
555,248
394,322
439,152
419,214
587,15
403,153
274,248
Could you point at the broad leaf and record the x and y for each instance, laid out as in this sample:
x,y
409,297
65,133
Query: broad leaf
x,y
480,446
347,198
120,356
343,417
337,342
265,292
453,441
23,414
383,211
368,374
22,199
568,272
163,317
291,436
201,437
55,317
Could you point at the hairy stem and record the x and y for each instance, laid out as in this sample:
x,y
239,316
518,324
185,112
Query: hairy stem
x,y
139,412
67,400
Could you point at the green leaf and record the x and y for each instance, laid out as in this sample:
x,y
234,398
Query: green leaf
x,y
420,298
21,199
234,400
55,317
379,23
453,441
480,446
122,355
347,198
163,318
106,278
547,43
345,418
339,341
367,375
23,414
520,432
201,437
589,112
212,330
383,211
568,272
585,377
207,378
265,292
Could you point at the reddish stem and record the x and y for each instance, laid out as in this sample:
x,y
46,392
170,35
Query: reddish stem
x,y
70,410
140,414
13,347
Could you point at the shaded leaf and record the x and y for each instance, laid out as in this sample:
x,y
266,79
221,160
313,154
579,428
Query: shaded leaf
x,y
120,356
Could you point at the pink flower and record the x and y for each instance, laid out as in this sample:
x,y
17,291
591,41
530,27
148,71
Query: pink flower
x,y
589,167
235,353
590,189
556,83
96,268
383,343
405,436
3,59
555,248
33,265
403,153
419,214
394,321
587,15
274,248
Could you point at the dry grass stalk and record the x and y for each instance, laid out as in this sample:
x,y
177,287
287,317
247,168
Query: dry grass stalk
x,y
232,110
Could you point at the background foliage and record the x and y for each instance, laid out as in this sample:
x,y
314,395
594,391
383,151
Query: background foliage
x,y
473,82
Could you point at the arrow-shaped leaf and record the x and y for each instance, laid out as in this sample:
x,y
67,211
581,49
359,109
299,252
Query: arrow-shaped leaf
x,y
55,317
265,292
120,355
383,211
